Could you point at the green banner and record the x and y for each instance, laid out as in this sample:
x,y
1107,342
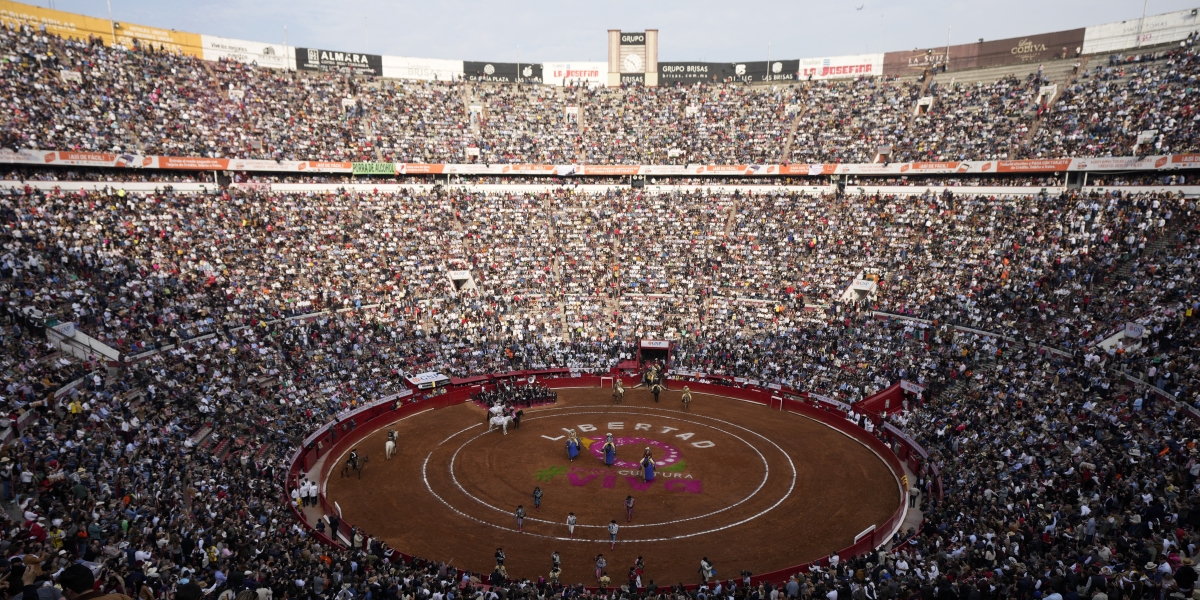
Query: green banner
x,y
374,168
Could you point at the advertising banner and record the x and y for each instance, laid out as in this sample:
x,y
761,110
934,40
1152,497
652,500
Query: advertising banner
x,y
807,169
915,62
426,169
63,24
249,164
899,433
373,168
1009,51
1018,166
841,67
871,169
193,163
575,73
1185,160
1056,165
1028,49
259,54
315,59
776,70
909,386
502,72
424,69
931,167
842,406
71,25
178,42
689,72
633,79
609,170
1157,29
1115,163
316,166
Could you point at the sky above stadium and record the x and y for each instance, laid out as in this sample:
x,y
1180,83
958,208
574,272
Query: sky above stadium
x,y
538,31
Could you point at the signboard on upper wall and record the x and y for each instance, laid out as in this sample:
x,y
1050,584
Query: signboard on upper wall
x,y
179,42
1029,49
841,67
70,25
574,73
1010,51
259,54
425,69
1157,29
756,71
314,59
474,70
632,53
670,73
916,61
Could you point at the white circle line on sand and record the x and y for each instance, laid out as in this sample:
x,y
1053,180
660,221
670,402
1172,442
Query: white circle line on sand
x,y
791,488
766,471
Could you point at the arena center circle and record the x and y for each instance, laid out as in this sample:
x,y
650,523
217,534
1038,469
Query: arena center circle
x,y
647,413
410,502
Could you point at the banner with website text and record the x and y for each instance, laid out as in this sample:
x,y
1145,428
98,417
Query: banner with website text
x,y
136,161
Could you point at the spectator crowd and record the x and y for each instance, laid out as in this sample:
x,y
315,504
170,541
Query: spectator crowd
x,y
1055,334
71,94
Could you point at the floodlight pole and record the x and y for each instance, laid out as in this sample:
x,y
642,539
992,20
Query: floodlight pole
x,y
1142,23
112,24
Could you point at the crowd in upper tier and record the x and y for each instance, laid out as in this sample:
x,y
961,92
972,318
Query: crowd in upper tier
x,y
143,100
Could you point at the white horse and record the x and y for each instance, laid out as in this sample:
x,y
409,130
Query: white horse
x,y
501,422
390,448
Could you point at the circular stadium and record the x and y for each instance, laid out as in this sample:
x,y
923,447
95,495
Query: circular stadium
x,y
298,323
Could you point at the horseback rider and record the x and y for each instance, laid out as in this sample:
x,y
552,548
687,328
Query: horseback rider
x,y
353,460
391,434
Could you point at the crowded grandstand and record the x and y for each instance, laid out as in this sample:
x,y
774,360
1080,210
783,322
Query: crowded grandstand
x,y
208,259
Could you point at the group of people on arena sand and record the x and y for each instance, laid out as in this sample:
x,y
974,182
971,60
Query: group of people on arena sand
x,y
516,395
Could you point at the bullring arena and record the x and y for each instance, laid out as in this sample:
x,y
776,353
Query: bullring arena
x,y
737,483
289,323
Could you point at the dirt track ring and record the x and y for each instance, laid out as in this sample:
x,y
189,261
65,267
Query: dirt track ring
x,y
451,492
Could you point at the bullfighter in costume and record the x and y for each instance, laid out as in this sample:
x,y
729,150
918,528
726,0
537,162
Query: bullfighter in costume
x,y
572,444
610,451
647,466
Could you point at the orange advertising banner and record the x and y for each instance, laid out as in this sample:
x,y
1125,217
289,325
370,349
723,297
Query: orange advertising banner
x,y
193,163
610,170
1185,159
531,169
317,166
418,169
806,169
70,25
933,166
